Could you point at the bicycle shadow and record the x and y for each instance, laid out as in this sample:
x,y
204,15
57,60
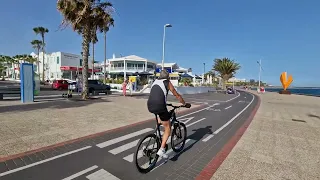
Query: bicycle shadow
x,y
197,136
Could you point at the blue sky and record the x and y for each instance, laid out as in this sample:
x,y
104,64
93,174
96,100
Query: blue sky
x,y
284,34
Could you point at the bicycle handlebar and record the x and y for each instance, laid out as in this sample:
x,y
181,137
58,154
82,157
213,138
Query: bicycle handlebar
x,y
176,107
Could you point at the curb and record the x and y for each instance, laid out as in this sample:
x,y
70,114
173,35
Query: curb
x,y
10,157
208,171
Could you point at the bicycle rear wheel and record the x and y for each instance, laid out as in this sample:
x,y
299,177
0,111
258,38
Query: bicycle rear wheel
x,y
179,133
149,151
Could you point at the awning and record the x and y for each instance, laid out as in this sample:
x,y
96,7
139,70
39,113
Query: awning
x,y
185,75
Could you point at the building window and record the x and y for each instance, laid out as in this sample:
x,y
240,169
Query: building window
x,y
80,62
57,60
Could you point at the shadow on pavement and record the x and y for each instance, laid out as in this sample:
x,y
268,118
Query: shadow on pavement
x,y
55,104
197,136
315,116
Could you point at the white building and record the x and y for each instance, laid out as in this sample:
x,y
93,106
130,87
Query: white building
x,y
173,68
60,65
130,65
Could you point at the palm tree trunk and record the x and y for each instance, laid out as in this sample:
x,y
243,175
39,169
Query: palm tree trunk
x,y
85,49
38,63
105,58
92,76
43,58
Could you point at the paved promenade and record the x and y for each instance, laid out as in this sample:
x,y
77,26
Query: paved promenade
x,y
25,127
282,142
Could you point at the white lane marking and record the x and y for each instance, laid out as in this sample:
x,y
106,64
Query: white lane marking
x,y
81,173
198,111
233,97
186,120
124,147
43,161
195,122
129,158
101,175
228,107
207,138
122,138
238,94
231,120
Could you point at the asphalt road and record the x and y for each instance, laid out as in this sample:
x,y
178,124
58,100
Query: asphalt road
x,y
109,156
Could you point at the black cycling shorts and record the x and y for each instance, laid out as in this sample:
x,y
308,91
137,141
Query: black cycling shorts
x,y
164,116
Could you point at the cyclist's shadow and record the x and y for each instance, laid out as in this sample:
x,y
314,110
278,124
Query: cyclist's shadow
x,y
197,136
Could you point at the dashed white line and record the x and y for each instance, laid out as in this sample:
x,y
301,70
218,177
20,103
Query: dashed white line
x,y
231,120
129,158
102,175
124,147
122,138
233,97
195,122
228,107
81,173
207,138
43,161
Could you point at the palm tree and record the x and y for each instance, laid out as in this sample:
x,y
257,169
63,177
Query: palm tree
x,y
5,61
37,44
42,31
105,30
85,16
94,40
2,66
25,58
226,69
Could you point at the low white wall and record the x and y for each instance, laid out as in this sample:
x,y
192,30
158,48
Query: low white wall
x,y
180,90
188,90
194,90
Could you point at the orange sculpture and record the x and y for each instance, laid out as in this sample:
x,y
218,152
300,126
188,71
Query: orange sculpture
x,y
285,81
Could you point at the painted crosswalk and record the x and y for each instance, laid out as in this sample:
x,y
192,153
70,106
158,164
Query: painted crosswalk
x,y
117,147
133,144
101,174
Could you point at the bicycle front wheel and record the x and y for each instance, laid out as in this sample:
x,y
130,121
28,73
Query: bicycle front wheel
x,y
178,137
147,148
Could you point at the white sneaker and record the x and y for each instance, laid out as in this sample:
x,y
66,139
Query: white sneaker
x,y
162,153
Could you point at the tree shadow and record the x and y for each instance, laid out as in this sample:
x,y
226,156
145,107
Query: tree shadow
x,y
197,136
312,115
54,104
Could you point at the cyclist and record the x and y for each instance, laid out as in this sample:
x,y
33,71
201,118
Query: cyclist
x,y
157,105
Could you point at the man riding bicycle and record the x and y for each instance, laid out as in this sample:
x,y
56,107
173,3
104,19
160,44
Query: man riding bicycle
x,y
157,104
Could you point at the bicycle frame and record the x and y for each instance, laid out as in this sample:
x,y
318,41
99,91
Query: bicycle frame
x,y
173,120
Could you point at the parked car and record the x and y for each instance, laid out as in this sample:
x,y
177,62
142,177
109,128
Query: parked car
x,y
60,84
95,87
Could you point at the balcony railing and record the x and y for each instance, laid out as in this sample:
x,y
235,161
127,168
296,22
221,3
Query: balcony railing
x,y
128,68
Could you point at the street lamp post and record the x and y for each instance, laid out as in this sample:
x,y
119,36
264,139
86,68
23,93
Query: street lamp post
x,y
163,42
204,71
259,62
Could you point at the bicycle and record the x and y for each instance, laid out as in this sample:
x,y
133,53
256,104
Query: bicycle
x,y
178,127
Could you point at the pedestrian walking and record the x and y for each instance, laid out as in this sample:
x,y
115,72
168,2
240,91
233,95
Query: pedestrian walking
x,y
124,87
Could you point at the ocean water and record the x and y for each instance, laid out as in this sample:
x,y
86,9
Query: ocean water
x,y
303,91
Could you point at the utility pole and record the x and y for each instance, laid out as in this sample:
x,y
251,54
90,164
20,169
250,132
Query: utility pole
x,y
259,62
